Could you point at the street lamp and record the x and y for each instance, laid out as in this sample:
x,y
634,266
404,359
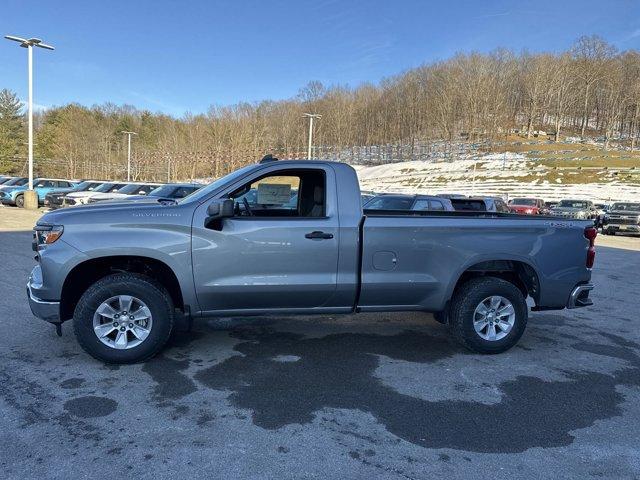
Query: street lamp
x,y
29,44
310,116
129,154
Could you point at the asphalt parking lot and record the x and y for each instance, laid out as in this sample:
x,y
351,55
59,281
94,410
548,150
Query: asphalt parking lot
x,y
366,396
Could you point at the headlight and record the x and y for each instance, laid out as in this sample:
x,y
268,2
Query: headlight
x,y
47,234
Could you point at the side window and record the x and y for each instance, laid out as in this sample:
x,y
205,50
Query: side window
x,y
63,184
421,205
436,205
44,184
428,205
297,193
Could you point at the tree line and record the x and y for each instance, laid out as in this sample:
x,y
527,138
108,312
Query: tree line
x,y
589,90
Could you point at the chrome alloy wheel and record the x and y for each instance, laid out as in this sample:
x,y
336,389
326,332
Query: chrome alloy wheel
x,y
493,318
122,322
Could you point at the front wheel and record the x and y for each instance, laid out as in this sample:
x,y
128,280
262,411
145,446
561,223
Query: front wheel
x,y
20,201
123,318
488,315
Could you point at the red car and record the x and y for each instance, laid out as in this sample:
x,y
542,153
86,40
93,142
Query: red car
x,y
528,206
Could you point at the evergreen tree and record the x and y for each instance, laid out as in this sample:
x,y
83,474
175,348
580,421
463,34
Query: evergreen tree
x,y
11,128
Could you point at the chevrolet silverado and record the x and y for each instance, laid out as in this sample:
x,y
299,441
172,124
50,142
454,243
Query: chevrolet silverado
x,y
291,237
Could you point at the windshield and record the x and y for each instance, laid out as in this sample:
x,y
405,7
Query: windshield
x,y
173,191
109,187
136,188
86,185
389,203
205,191
524,201
18,182
632,207
573,204
163,191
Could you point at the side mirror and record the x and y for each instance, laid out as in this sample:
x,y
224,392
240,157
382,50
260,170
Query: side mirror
x,y
220,208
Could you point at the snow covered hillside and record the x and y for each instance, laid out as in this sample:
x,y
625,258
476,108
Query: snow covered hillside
x,y
503,174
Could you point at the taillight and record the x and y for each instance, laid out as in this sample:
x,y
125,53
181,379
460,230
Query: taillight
x,y
590,233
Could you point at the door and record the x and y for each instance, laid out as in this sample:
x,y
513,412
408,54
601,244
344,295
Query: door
x,y
279,251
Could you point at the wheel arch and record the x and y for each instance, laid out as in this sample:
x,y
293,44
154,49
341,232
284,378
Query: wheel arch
x,y
86,273
522,273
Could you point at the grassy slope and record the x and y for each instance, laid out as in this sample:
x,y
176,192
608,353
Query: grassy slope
x,y
573,162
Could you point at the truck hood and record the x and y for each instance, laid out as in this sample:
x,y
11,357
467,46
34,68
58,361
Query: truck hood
x,y
567,209
523,207
108,196
125,211
81,194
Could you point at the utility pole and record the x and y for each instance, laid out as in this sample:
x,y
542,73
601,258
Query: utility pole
x,y
129,153
311,116
31,200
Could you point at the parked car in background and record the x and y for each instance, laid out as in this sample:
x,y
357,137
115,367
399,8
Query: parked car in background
x,y
82,198
169,191
480,204
366,196
580,209
14,182
124,192
528,206
4,178
394,201
550,204
601,212
15,195
54,198
622,217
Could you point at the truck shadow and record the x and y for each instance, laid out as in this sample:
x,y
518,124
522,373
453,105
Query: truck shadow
x,y
286,378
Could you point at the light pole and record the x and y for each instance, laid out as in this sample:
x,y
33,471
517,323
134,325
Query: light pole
x,y
310,116
128,134
29,44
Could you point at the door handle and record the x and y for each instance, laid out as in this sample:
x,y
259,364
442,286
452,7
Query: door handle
x,y
319,235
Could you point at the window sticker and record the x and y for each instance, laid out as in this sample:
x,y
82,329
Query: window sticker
x,y
274,193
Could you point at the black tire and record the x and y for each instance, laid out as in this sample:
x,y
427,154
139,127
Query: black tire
x,y
20,201
463,305
152,293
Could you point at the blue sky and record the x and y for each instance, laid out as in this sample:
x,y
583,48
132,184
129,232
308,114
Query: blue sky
x,y
178,56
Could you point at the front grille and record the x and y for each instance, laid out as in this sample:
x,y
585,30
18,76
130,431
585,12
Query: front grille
x,y
620,220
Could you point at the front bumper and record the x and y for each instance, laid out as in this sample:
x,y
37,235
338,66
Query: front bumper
x,y
622,227
580,296
7,200
46,310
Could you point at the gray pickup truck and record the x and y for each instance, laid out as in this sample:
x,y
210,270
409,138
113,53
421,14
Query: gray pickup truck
x,y
291,237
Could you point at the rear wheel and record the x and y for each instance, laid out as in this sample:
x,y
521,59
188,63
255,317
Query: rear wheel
x,y
123,318
488,315
20,201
